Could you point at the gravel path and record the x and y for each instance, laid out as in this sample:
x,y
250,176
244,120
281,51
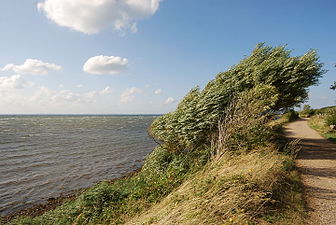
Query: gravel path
x,y
317,165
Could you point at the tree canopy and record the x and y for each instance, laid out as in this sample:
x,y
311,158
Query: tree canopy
x,y
333,87
272,70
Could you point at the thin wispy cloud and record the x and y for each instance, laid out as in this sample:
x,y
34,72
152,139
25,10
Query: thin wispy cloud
x,y
79,86
158,91
129,94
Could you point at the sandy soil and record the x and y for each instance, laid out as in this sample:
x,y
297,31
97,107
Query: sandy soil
x,y
317,164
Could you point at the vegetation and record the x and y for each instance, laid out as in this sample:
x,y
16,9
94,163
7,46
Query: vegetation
x,y
196,117
291,115
307,111
322,120
330,118
220,161
333,87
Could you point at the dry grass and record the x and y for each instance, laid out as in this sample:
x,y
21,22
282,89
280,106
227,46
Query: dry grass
x,y
233,190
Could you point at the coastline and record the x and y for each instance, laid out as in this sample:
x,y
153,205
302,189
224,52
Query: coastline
x,y
52,203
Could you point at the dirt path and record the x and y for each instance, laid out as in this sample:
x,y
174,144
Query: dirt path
x,y
317,164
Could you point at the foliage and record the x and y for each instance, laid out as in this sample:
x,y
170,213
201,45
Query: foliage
x,y
333,87
244,124
196,118
237,186
318,123
306,108
307,111
330,118
291,115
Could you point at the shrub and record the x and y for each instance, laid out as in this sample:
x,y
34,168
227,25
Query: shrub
x,y
308,111
96,199
330,118
291,115
244,124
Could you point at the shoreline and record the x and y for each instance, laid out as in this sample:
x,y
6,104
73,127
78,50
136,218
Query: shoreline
x,y
52,203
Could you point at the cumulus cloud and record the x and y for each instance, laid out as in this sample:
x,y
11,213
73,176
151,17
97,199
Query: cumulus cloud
x,y
158,91
32,66
13,82
129,94
105,65
92,16
170,100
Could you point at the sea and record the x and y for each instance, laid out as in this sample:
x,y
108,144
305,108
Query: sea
x,y
45,156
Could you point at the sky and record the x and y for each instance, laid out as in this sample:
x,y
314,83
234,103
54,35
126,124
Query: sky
x,y
143,56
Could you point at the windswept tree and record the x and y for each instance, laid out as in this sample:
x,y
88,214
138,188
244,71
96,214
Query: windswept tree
x,y
333,87
268,68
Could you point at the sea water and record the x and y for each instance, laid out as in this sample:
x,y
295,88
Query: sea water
x,y
45,156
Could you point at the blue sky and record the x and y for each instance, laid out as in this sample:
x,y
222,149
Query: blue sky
x,y
143,56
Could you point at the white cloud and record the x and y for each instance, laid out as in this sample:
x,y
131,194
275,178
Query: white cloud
x,y
158,91
79,86
13,82
32,66
129,94
106,90
48,96
67,96
170,100
91,16
105,65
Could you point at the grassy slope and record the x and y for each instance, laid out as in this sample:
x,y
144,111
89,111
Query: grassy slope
x,y
251,188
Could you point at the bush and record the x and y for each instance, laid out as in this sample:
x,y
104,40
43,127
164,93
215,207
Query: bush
x,y
330,118
244,124
291,115
96,199
308,111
